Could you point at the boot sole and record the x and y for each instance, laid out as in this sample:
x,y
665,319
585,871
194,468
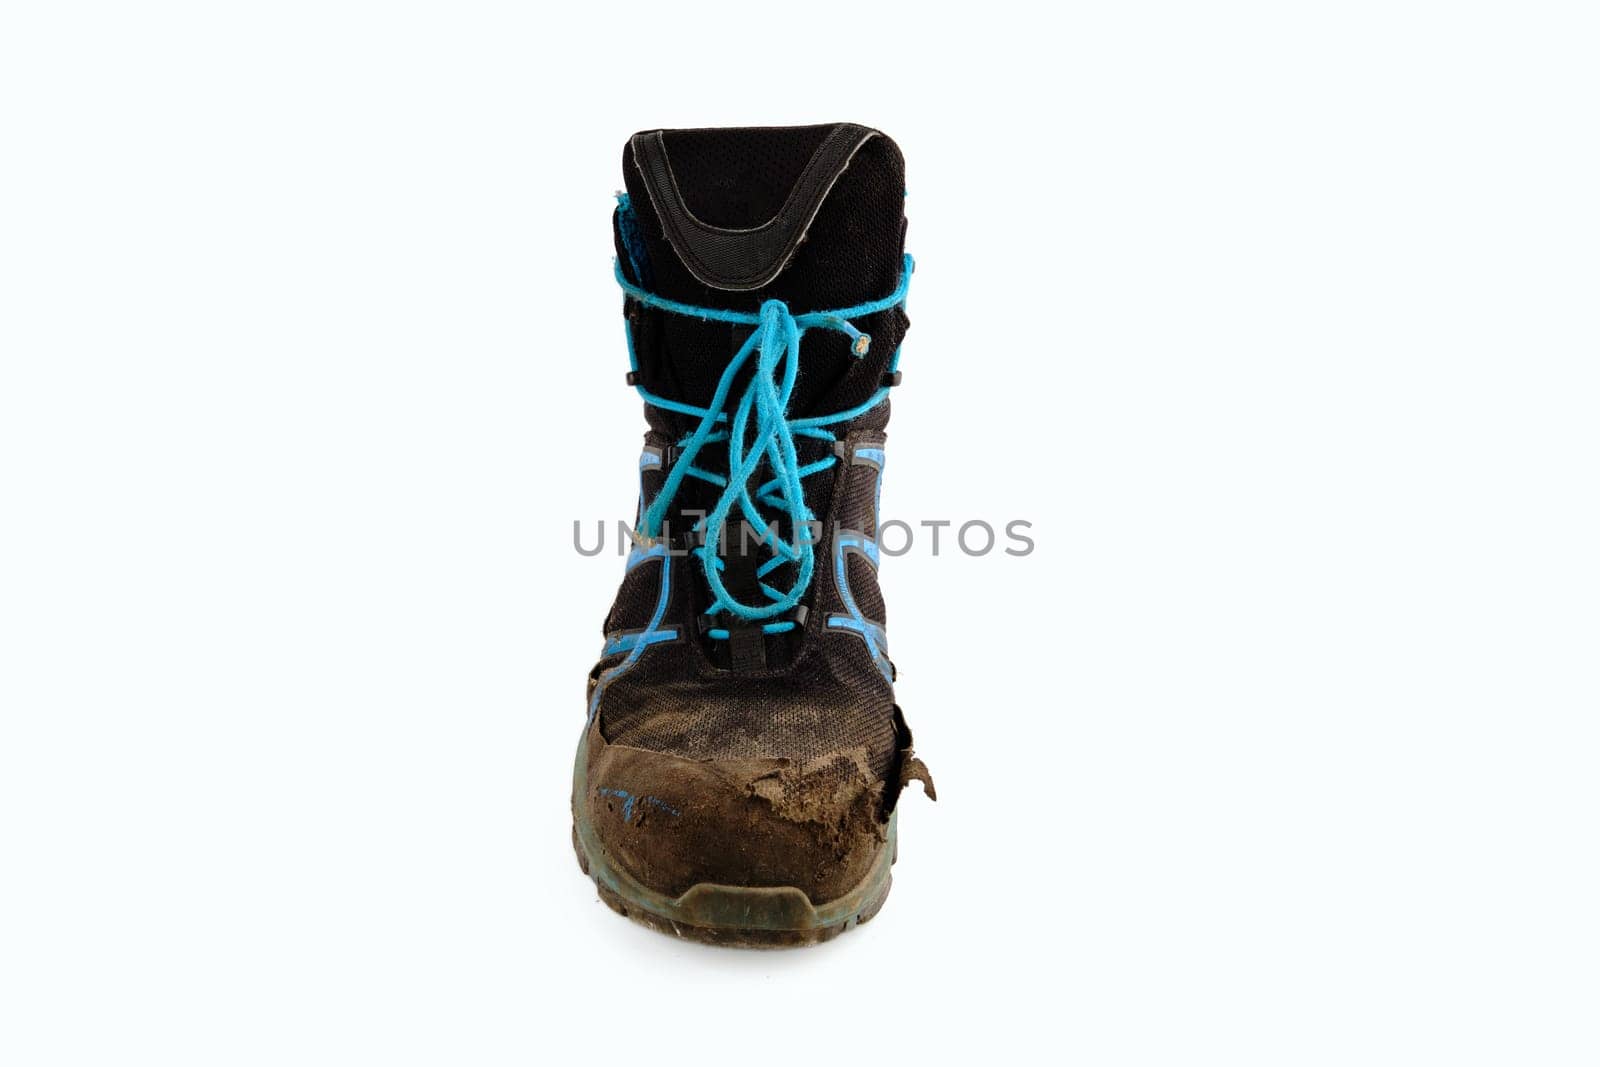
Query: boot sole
x,y
743,916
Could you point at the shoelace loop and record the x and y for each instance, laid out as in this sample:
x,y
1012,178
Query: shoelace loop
x,y
775,346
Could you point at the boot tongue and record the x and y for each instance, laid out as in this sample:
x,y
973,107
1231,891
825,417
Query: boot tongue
x,y
729,218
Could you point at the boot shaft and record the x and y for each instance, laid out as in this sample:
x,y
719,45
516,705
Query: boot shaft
x,y
766,278
730,218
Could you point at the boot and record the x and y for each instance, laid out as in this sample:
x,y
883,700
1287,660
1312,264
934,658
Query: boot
x,y
739,771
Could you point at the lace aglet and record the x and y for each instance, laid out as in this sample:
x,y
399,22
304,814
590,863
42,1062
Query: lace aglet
x,y
860,343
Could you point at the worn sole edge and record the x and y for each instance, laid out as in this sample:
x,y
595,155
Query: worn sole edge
x,y
761,916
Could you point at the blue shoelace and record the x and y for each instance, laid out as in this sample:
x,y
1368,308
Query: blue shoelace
x,y
775,346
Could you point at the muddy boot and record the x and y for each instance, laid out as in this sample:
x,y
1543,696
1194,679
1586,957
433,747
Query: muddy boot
x,y
738,775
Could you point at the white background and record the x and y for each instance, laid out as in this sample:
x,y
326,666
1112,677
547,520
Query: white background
x,y
1279,323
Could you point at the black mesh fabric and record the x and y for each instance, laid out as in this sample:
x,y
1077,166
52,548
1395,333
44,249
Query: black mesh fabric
x,y
864,586
815,708
738,178
636,601
820,693
856,508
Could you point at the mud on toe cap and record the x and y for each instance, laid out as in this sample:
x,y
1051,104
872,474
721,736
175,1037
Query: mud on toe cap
x,y
673,824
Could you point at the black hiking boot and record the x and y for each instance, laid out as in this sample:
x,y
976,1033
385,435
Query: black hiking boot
x,y
738,774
